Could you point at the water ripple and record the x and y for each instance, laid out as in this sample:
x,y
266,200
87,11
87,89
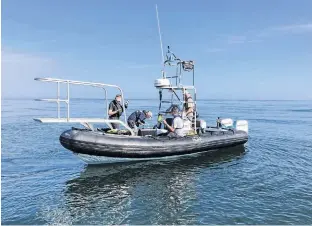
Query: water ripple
x,y
267,182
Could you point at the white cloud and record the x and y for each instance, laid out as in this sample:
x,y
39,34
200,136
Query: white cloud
x,y
241,39
19,70
257,36
285,30
294,28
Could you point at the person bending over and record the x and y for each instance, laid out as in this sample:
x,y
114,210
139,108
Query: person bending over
x,y
137,118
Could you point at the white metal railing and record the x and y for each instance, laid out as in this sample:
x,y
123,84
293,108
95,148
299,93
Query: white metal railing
x,y
86,122
182,100
72,82
67,101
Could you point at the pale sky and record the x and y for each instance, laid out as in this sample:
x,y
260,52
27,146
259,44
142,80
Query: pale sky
x,y
242,49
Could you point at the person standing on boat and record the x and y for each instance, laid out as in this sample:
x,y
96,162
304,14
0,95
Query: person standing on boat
x,y
137,118
115,110
177,128
188,106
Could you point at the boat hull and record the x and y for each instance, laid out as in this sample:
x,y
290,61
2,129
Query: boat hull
x,y
94,159
91,145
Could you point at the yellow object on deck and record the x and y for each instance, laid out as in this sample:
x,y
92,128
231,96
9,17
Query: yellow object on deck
x,y
191,133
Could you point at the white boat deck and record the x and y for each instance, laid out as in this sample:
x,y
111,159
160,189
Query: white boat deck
x,y
84,121
75,120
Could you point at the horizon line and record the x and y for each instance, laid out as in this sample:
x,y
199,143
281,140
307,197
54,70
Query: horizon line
x,y
201,99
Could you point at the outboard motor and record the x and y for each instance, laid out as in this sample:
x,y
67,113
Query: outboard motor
x,y
241,125
226,123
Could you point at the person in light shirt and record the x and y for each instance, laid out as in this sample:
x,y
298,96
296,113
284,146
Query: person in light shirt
x,y
177,128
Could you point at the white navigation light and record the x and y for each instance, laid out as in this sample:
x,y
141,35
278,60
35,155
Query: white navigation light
x,y
162,83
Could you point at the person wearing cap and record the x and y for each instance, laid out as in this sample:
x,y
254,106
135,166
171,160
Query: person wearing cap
x,y
188,106
115,110
176,130
137,118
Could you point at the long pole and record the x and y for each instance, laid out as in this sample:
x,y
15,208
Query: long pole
x,y
161,46
58,100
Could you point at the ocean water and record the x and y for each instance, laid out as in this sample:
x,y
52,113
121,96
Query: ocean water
x,y
269,181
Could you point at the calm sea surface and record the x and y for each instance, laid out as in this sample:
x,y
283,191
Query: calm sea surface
x,y
267,182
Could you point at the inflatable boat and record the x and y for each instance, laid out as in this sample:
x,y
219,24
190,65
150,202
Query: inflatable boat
x,y
105,144
100,147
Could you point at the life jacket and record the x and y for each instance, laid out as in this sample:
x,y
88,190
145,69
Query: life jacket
x,y
116,106
186,104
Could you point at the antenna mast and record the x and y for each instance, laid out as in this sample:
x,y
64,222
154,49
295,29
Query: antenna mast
x,y
161,46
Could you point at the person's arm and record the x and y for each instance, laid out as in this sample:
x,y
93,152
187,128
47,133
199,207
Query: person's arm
x,y
189,110
110,110
141,122
170,128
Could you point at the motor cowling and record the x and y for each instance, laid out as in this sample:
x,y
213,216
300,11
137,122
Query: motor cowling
x,y
226,123
241,125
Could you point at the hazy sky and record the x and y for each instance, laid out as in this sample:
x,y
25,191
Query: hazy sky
x,y
242,49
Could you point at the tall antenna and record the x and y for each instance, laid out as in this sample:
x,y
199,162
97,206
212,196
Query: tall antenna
x,y
161,46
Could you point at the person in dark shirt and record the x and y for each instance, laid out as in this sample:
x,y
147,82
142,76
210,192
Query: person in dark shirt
x,y
115,110
137,118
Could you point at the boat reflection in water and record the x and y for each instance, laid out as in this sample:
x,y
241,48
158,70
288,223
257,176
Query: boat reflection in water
x,y
145,192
